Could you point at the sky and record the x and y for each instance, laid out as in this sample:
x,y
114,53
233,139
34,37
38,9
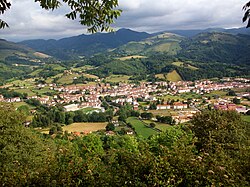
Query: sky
x,y
27,20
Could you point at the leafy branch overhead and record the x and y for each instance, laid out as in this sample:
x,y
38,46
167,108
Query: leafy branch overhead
x,y
246,17
4,5
98,15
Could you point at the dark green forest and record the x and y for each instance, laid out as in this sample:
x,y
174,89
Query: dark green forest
x,y
212,150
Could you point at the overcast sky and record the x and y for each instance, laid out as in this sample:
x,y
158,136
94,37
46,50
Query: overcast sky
x,y
28,21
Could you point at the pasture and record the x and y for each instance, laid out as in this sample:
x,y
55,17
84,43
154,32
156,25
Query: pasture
x,y
160,112
160,76
41,55
82,127
182,64
174,76
67,79
118,78
89,109
160,126
140,128
130,57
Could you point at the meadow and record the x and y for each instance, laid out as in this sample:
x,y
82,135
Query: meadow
x,y
130,57
67,79
160,126
140,128
118,78
82,127
174,76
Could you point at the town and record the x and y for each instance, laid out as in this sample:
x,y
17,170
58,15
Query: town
x,y
180,99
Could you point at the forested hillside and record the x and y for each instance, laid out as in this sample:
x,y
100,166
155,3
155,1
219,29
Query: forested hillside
x,y
85,45
212,150
140,55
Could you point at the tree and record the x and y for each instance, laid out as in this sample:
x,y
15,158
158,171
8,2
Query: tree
x,y
146,115
236,100
97,15
246,17
110,127
4,6
218,128
153,106
152,125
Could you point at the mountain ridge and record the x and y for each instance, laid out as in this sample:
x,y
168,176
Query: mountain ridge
x,y
85,45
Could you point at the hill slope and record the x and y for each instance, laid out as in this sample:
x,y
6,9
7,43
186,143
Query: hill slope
x,y
164,43
217,47
16,53
85,45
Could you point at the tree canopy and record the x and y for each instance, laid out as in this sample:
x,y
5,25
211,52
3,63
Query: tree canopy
x,y
97,15
246,17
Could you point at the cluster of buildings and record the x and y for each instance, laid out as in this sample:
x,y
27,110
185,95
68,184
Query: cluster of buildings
x,y
75,97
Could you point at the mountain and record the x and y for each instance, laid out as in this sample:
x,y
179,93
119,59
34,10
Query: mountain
x,y
217,47
163,43
12,52
206,55
85,45
191,33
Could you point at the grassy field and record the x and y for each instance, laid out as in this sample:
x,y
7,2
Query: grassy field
x,y
130,57
26,82
174,76
81,127
190,95
67,79
83,68
170,47
44,91
165,47
18,104
118,78
160,112
90,76
41,55
160,76
161,126
36,72
220,93
89,109
49,80
57,67
140,128
246,118
182,64
28,91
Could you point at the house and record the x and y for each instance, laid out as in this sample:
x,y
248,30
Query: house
x,y
129,132
163,107
178,105
231,106
242,109
72,107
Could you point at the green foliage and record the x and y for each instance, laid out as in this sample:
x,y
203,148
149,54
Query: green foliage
x,y
152,125
110,127
247,14
5,5
214,151
97,15
218,128
24,109
165,119
236,101
146,115
231,93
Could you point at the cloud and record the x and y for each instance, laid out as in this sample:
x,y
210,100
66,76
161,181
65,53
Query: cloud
x,y
27,20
